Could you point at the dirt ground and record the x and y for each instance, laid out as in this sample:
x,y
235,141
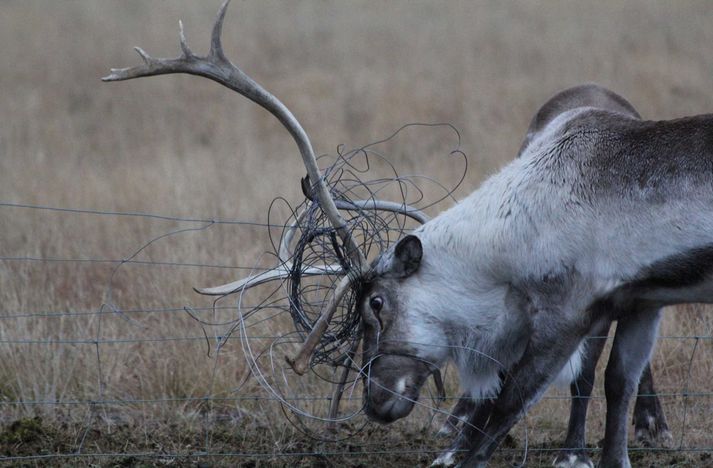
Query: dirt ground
x,y
123,445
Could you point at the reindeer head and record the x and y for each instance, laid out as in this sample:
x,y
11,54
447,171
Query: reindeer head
x,y
396,360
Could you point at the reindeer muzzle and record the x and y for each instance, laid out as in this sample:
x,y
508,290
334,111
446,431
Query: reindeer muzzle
x,y
393,383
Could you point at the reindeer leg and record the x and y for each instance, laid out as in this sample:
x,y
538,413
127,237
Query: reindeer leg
x,y
461,410
649,419
544,356
574,452
478,417
633,342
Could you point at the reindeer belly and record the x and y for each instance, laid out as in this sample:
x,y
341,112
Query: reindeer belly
x,y
680,278
570,371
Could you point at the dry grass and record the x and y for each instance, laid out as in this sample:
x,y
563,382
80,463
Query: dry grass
x,y
353,72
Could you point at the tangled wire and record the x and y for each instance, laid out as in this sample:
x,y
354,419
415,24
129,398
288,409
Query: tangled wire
x,y
311,261
318,245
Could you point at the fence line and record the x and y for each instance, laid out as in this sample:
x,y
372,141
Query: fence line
x,y
125,262
56,313
137,214
202,338
94,405
157,216
149,401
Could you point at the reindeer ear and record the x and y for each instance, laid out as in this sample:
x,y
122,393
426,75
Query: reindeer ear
x,y
407,257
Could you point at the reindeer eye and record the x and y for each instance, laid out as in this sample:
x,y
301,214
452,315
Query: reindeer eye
x,y
376,303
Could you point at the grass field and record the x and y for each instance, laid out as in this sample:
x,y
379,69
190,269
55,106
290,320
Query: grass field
x,y
187,148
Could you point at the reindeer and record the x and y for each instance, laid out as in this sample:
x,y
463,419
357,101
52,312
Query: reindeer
x,y
649,420
603,217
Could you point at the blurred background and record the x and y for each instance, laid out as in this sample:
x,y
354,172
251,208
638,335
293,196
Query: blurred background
x,y
77,376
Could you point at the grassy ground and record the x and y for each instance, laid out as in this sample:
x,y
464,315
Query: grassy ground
x,y
353,73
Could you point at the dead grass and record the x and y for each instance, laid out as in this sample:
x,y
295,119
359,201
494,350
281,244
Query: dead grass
x,y
353,73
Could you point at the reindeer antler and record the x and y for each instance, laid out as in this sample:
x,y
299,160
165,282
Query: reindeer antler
x,y
217,67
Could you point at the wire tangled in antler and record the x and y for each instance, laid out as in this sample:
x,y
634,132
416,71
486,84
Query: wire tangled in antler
x,y
373,222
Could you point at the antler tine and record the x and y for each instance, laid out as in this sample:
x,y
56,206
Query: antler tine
x,y
216,44
300,363
187,52
371,204
279,273
383,205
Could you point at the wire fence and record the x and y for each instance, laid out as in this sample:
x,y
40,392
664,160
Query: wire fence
x,y
67,395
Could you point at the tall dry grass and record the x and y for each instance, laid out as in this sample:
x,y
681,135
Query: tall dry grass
x,y
353,73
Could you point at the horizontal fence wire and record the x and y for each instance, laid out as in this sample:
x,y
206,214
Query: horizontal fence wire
x,y
118,341
98,344
136,214
306,398
320,454
127,262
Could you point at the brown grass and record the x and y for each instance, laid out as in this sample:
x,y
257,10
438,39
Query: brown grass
x,y
353,73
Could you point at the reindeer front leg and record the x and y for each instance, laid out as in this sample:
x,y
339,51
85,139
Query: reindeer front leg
x,y
478,417
546,354
574,452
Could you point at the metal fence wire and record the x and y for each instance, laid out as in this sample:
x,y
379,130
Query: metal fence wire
x,y
115,360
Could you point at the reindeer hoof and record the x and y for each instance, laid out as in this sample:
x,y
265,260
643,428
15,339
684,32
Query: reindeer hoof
x,y
446,458
660,438
445,431
572,460
654,433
